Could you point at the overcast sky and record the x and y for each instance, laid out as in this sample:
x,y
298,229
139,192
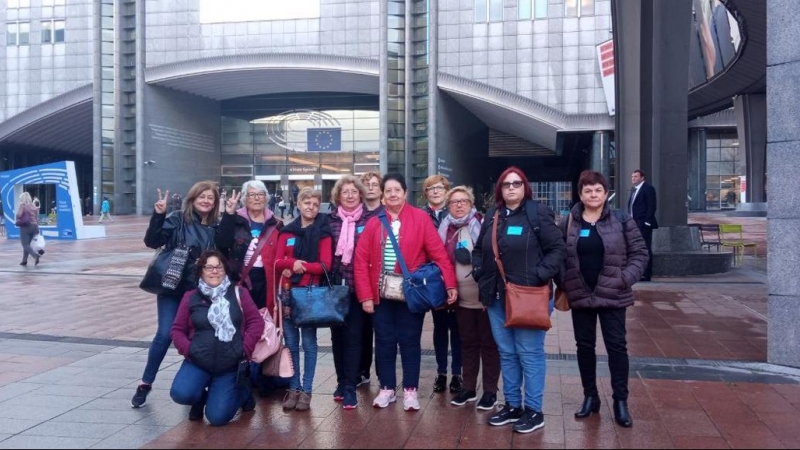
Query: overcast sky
x,y
212,11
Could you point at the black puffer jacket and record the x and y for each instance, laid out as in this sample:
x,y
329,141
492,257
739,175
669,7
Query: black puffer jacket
x,y
623,263
208,352
163,231
234,237
530,258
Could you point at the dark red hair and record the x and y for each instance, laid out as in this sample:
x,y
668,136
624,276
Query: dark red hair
x,y
498,188
590,178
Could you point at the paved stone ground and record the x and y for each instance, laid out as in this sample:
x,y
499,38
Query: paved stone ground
x,y
74,332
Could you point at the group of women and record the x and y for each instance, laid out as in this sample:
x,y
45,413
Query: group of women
x,y
249,258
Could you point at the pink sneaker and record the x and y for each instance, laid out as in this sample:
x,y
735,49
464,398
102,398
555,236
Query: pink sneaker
x,y
410,401
385,396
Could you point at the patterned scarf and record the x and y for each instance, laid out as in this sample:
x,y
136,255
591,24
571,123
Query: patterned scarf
x,y
474,227
347,238
219,313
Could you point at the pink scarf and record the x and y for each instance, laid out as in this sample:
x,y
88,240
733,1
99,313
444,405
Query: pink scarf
x,y
347,237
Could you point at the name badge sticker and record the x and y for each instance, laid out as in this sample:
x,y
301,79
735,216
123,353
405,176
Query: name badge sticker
x,y
290,242
462,244
514,231
585,233
360,229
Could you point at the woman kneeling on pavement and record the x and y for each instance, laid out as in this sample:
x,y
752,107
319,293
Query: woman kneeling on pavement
x,y
606,255
459,230
216,329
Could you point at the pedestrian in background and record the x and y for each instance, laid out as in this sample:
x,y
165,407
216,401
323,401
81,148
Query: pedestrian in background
x,y
105,211
27,219
642,205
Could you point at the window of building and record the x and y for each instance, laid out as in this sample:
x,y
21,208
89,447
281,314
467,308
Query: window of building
x,y
579,8
723,181
53,2
13,4
488,10
52,31
17,33
532,9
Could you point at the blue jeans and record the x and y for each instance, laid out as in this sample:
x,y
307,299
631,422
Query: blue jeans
x,y
521,359
167,310
292,335
445,337
396,325
224,395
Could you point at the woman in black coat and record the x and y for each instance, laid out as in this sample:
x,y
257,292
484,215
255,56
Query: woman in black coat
x,y
606,255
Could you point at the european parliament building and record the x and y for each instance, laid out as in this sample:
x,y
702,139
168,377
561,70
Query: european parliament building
x,y
147,94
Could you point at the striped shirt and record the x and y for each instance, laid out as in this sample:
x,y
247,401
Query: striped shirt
x,y
389,256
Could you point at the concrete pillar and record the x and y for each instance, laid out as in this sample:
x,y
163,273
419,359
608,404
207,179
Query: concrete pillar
x,y
651,40
751,126
783,161
697,169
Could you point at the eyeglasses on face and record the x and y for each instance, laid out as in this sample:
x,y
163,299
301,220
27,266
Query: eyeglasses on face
x,y
256,195
209,268
350,193
459,202
509,184
434,188
372,185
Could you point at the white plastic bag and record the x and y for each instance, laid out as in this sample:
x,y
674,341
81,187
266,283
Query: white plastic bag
x,y
38,243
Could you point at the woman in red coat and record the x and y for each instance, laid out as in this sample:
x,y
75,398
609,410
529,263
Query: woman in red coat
x,y
394,323
305,250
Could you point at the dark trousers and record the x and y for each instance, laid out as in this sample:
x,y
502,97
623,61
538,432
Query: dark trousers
x,y
225,396
396,326
477,344
26,234
347,346
367,339
612,324
445,337
647,234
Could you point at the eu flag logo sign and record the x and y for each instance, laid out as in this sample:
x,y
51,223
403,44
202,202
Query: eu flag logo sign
x,y
324,139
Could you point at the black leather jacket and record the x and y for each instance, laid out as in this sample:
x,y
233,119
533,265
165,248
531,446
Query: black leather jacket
x,y
163,232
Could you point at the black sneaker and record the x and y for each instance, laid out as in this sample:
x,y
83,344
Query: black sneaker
x,y
456,384
440,384
338,394
249,404
463,397
196,411
488,401
362,379
140,397
529,422
506,415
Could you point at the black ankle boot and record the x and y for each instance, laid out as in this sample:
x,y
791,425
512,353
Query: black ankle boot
x,y
621,414
590,405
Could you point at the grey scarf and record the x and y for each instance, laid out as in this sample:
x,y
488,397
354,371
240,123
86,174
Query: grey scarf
x,y
219,313
474,226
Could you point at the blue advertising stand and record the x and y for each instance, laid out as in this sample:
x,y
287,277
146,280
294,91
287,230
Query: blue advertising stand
x,y
69,220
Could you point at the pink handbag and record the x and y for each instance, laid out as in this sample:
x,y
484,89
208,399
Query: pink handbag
x,y
279,364
270,342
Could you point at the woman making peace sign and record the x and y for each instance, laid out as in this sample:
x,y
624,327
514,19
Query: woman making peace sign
x,y
197,220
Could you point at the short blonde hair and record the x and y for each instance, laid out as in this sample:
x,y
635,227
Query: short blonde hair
x,y
307,192
347,179
464,190
25,198
370,175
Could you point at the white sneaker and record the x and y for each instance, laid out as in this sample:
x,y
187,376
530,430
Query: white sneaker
x,y
410,401
385,396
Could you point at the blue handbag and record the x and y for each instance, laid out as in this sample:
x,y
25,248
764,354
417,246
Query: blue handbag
x,y
424,288
320,306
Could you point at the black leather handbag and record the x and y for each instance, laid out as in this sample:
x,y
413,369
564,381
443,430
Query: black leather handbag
x,y
166,270
320,306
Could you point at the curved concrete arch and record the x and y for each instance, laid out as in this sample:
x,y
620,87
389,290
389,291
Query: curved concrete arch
x,y
227,77
62,123
517,115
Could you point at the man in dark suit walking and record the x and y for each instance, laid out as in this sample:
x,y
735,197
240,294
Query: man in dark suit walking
x,y
642,207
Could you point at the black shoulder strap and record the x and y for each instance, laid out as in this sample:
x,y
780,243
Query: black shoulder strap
x,y
532,210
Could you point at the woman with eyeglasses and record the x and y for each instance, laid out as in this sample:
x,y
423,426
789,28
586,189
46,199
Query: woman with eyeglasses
x,y
459,231
216,330
194,227
248,237
395,324
531,257
445,324
347,224
304,253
